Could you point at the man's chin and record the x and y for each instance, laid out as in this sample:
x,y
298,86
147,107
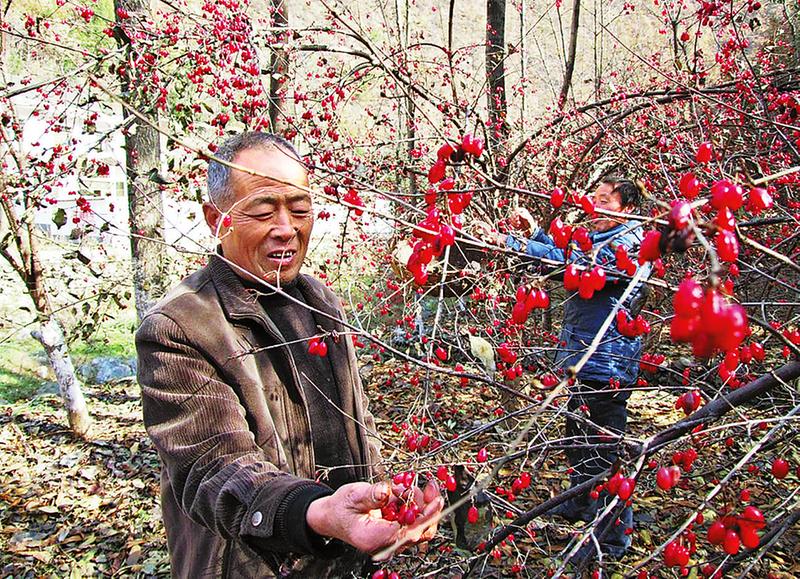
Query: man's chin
x,y
285,277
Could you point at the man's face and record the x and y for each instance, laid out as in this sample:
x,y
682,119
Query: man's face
x,y
271,222
606,198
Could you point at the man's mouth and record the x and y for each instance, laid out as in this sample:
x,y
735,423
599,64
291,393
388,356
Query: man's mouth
x,y
283,256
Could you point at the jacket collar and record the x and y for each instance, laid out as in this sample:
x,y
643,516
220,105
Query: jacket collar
x,y
631,227
239,302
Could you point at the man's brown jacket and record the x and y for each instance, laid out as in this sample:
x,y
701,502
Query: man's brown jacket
x,y
234,440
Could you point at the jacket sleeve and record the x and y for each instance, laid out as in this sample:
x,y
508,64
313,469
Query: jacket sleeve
x,y
220,478
541,245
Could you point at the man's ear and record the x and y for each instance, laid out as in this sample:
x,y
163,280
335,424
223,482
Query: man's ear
x,y
213,217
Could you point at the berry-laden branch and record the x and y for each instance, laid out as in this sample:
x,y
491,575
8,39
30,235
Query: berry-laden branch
x,y
711,411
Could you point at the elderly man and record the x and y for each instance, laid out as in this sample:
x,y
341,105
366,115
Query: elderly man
x,y
604,382
246,419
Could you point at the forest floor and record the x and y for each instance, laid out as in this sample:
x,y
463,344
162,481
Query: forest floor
x,y
74,508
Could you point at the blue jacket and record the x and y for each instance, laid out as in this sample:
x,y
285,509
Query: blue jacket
x,y
617,356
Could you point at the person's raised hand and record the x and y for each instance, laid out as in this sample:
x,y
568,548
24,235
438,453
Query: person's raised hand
x,y
488,234
522,220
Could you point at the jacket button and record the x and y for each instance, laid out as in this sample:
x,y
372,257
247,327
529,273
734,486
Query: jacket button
x,y
257,518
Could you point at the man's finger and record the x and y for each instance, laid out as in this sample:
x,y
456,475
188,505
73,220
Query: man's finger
x,y
431,491
368,497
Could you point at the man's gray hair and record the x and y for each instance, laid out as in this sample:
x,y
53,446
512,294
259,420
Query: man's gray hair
x,y
220,192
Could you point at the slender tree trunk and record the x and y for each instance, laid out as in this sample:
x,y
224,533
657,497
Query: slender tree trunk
x,y
570,62
145,204
406,108
279,67
20,234
496,73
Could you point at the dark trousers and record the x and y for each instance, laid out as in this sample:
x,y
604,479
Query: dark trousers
x,y
591,451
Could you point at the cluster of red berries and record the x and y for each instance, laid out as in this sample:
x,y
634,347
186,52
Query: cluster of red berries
x,y
434,236
667,477
404,511
706,320
684,458
586,282
416,442
732,532
528,299
562,233
651,362
678,552
352,197
444,475
506,354
689,401
632,328
318,347
620,486
470,145
624,262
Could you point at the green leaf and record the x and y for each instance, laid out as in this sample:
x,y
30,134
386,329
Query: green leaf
x,y
60,217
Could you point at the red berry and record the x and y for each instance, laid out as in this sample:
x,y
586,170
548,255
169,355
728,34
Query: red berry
x,y
704,152
625,489
557,197
749,536
680,215
598,278
689,186
731,544
716,533
436,172
758,200
688,298
483,456
649,249
472,515
664,479
780,468
571,277
727,246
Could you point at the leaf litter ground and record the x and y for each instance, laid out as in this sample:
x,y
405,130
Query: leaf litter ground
x,y
71,508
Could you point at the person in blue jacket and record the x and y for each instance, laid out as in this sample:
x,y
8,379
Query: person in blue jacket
x,y
603,383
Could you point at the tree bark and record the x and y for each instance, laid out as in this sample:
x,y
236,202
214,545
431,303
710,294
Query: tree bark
x,y
51,336
570,62
145,204
279,67
496,72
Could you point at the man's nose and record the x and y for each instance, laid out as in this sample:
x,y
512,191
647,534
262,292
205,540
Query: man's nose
x,y
283,225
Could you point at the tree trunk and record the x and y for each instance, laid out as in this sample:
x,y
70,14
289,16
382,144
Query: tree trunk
x,y
570,62
145,204
279,67
51,337
21,236
406,109
496,73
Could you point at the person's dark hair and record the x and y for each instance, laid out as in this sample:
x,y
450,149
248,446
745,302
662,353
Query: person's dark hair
x,y
631,193
220,191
